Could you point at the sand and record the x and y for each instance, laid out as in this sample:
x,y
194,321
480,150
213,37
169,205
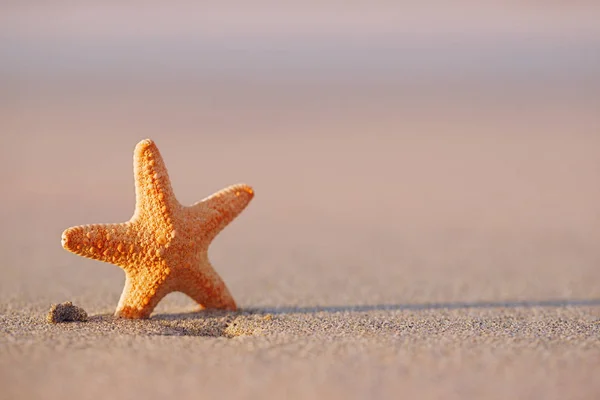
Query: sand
x,y
369,265
423,239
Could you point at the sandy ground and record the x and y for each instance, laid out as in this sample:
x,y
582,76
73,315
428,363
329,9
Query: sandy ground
x,y
423,236
439,251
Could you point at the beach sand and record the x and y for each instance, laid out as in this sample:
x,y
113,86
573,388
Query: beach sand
x,y
434,252
406,240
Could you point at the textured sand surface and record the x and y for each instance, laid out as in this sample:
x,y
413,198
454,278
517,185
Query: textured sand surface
x,y
426,239
432,265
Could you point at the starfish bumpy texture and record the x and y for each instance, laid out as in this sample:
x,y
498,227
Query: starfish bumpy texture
x,y
163,247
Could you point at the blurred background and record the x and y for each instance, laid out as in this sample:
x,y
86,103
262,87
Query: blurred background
x,y
401,151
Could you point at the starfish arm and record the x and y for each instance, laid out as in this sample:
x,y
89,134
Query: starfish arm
x,y
206,287
216,211
155,200
141,294
110,243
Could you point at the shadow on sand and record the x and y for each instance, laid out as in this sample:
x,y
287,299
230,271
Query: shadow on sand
x,y
216,323
428,306
387,307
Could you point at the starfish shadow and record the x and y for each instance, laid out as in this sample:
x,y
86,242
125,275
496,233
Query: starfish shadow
x,y
210,314
200,323
215,323
428,306
199,314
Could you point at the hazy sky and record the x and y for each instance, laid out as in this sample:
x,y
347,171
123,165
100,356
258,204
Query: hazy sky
x,y
335,40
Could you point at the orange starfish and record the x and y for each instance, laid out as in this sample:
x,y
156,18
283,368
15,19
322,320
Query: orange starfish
x,y
163,247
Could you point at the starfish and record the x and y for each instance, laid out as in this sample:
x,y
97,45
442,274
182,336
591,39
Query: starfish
x,y
164,247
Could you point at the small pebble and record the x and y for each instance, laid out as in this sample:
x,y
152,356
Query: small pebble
x,y
66,312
